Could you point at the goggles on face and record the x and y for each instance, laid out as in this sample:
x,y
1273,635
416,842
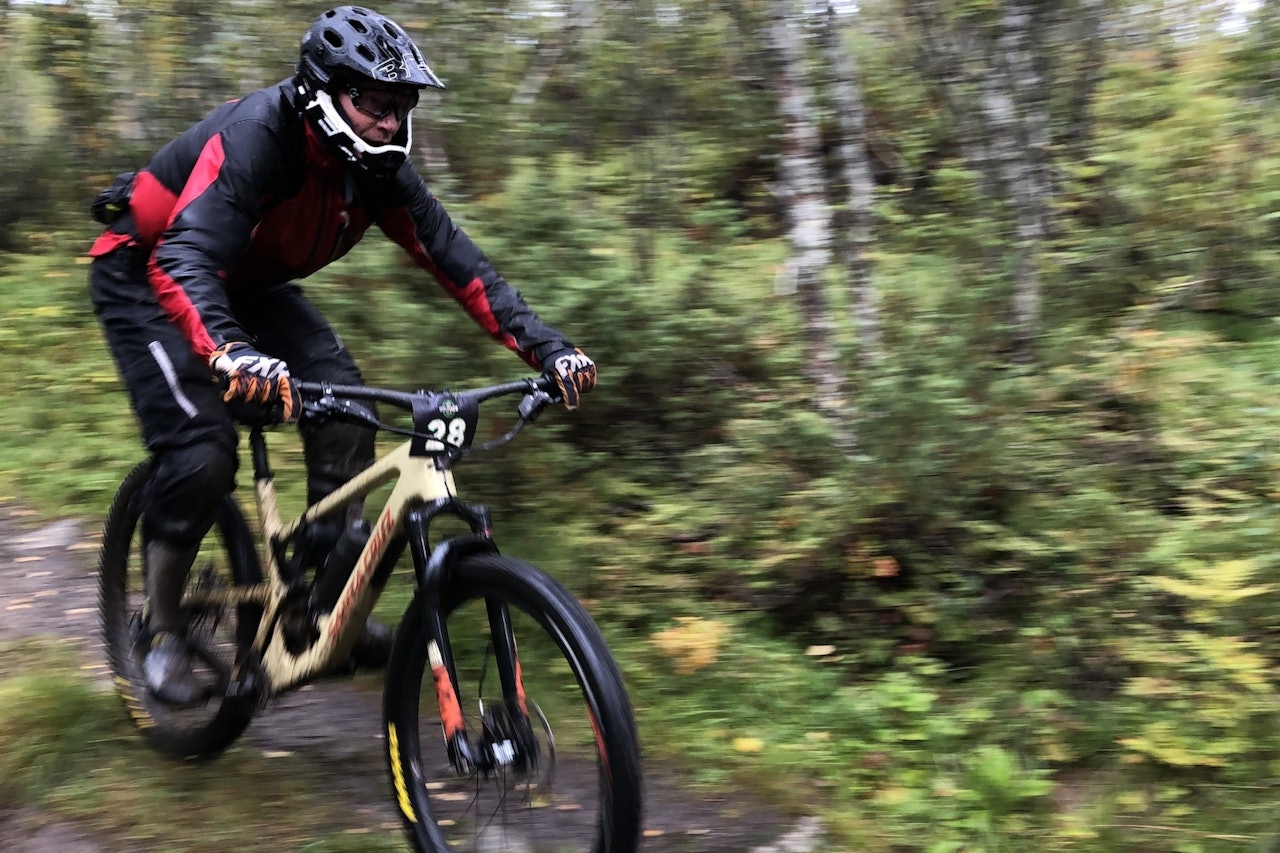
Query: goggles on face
x,y
379,103
331,120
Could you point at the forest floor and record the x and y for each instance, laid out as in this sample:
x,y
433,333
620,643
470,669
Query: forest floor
x,y
48,589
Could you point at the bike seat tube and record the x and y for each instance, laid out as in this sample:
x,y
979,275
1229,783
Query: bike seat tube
x,y
258,451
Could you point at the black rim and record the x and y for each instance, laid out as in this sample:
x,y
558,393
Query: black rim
x,y
585,798
226,557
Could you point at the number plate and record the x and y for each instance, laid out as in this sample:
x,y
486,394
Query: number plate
x,y
443,424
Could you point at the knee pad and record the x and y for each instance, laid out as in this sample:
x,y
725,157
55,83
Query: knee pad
x,y
335,452
187,483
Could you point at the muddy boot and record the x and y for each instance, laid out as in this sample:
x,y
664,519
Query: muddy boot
x,y
169,673
167,666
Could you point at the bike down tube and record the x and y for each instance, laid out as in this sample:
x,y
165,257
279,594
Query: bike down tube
x,y
418,479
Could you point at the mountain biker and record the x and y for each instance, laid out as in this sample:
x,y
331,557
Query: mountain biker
x,y
193,281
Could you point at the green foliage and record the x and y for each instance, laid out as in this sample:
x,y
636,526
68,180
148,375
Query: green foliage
x,y
1178,176
1038,604
68,434
67,749
52,730
1089,539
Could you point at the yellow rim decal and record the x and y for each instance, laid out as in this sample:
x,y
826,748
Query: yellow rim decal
x,y
137,711
397,773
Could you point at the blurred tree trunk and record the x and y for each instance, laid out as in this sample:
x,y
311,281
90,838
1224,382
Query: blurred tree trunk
x,y
200,77
432,159
803,192
1016,106
578,15
647,121
991,68
855,220
1088,33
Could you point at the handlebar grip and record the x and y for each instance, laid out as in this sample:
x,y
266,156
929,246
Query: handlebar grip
x,y
546,383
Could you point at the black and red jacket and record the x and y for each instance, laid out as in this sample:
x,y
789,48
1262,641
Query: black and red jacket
x,y
249,197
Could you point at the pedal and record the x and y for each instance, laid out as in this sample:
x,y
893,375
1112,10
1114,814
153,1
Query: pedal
x,y
347,669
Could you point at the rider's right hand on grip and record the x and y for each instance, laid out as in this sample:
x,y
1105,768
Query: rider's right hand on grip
x,y
255,378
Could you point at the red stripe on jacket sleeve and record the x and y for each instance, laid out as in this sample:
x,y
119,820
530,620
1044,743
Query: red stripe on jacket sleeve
x,y
172,297
472,296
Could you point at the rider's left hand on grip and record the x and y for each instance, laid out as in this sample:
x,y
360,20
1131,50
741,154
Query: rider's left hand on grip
x,y
574,374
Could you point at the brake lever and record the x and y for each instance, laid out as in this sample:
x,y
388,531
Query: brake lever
x,y
327,406
533,404
530,407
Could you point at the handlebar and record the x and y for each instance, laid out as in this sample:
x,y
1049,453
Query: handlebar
x,y
325,400
317,391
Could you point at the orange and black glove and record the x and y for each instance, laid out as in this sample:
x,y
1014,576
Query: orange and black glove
x,y
252,377
574,374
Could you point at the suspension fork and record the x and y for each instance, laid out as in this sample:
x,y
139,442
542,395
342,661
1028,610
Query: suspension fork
x,y
506,658
433,566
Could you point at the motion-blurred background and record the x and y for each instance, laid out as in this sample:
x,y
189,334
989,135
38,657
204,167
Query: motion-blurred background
x,y
929,485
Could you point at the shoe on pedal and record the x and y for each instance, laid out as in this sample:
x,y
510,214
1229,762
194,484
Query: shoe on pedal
x,y
169,674
373,647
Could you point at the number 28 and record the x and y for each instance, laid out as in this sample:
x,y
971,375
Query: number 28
x,y
454,431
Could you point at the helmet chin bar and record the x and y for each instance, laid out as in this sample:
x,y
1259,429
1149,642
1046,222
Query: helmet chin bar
x,y
331,122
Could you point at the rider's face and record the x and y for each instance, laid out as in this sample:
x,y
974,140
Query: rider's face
x,y
376,113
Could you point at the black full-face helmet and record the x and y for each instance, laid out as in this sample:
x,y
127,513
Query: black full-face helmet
x,y
351,45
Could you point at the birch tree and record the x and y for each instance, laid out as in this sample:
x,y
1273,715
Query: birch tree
x,y
990,68
803,190
1015,103
854,233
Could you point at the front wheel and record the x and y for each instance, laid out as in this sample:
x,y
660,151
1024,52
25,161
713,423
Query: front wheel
x,y
565,778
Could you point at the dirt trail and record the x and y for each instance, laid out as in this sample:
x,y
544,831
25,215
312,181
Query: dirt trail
x,y
48,587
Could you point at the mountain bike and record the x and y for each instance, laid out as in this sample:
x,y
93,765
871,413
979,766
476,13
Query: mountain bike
x,y
486,748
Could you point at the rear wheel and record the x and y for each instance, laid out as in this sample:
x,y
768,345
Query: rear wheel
x,y
566,777
220,633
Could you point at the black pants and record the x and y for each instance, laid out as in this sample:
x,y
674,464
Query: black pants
x,y
185,423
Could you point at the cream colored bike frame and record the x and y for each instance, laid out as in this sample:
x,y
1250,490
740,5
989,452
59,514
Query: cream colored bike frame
x,y
420,480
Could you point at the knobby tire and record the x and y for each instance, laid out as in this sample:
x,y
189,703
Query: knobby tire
x,y
194,733
421,777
